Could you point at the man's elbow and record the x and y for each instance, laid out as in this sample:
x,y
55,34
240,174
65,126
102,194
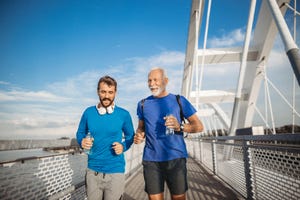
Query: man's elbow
x,y
199,128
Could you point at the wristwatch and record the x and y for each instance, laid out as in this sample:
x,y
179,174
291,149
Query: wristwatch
x,y
181,127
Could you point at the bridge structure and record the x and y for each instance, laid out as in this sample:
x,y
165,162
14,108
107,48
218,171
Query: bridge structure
x,y
232,159
251,61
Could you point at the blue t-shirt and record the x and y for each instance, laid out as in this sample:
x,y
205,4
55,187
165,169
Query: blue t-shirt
x,y
159,146
106,129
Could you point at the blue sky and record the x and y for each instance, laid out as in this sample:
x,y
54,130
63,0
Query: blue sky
x,y
53,52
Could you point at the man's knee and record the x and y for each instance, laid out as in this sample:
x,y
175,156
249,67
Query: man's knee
x,y
178,196
159,196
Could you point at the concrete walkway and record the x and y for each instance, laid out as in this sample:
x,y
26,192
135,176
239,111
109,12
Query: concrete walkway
x,y
202,186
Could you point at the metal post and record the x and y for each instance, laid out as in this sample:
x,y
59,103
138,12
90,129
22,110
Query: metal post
x,y
214,156
201,150
247,170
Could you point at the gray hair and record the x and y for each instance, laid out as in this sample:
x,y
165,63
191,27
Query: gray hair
x,y
163,71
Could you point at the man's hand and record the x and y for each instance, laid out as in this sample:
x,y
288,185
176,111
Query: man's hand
x,y
117,147
171,122
87,143
139,137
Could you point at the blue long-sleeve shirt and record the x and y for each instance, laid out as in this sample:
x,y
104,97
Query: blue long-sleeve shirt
x,y
106,129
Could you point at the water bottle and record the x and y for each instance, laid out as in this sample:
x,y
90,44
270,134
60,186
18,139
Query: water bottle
x,y
169,131
90,137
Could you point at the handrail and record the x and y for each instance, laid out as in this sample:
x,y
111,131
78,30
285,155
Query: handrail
x,y
279,137
259,166
54,176
35,144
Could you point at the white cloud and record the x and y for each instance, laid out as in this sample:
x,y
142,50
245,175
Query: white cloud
x,y
40,96
165,59
4,83
80,85
233,38
55,111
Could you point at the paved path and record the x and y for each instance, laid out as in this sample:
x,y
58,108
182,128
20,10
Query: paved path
x,y
202,186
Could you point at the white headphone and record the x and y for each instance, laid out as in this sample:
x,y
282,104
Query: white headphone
x,y
103,110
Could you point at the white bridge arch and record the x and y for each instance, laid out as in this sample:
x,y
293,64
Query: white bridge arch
x,y
252,59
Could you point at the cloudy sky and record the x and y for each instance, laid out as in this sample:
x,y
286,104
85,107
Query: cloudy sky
x,y
53,52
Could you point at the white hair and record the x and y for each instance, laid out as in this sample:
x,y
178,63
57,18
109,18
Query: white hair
x,y
163,71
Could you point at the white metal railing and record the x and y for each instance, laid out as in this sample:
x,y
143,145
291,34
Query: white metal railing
x,y
59,175
259,167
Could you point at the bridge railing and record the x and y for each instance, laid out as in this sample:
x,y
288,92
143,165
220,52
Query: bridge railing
x,y
58,173
257,167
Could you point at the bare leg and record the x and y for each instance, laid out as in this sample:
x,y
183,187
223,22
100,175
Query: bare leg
x,y
178,197
159,196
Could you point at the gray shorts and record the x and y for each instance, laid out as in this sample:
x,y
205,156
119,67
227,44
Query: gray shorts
x,y
173,172
109,186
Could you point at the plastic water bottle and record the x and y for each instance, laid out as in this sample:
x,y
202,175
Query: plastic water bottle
x,y
90,137
169,131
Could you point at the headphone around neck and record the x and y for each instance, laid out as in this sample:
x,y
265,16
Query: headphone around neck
x,y
103,110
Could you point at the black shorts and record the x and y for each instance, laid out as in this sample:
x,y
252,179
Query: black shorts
x,y
174,172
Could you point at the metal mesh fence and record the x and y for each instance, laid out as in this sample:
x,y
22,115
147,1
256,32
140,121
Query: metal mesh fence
x,y
58,176
257,167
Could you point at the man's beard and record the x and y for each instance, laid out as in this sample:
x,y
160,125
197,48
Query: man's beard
x,y
157,92
110,100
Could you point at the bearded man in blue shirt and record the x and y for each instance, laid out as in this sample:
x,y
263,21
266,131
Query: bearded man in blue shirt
x,y
164,157
107,123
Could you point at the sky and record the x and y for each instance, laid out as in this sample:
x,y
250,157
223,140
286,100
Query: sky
x,y
53,52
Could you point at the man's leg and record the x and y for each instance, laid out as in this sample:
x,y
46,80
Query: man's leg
x,y
115,186
154,181
159,196
176,177
93,185
178,197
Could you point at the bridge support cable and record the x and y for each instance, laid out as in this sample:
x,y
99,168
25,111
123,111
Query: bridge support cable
x,y
291,48
282,96
268,101
199,77
204,45
262,117
293,9
265,119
